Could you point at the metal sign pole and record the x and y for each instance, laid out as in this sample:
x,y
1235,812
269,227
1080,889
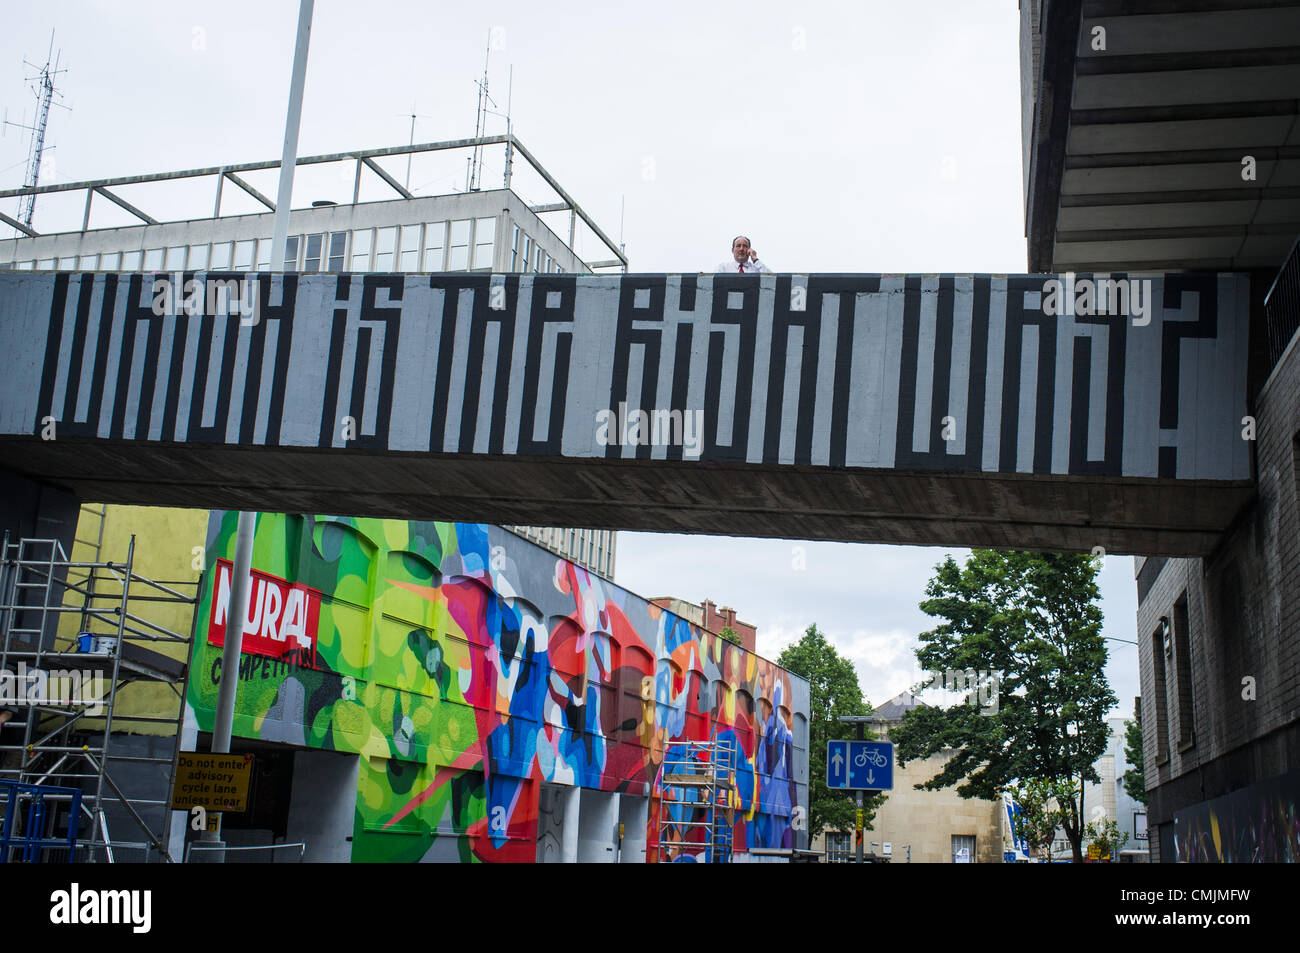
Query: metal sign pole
x,y
859,722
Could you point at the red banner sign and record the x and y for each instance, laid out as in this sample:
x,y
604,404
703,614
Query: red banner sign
x,y
282,617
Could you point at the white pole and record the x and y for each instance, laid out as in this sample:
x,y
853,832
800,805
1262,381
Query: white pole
x,y
289,156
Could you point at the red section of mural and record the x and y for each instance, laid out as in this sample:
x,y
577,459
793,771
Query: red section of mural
x,y
282,617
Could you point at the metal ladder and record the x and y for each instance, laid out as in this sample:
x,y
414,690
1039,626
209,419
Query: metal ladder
x,y
695,784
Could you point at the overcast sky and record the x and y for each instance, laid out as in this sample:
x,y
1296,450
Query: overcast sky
x,y
865,136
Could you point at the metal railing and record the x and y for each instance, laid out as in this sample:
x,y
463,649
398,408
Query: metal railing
x,y
363,159
1282,306
247,854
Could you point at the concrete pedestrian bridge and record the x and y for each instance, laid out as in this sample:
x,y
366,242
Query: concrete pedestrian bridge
x,y
1016,411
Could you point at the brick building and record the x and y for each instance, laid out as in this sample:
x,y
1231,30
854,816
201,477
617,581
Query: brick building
x,y
709,616
1218,652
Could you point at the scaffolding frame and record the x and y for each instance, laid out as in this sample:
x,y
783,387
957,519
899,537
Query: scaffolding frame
x,y
67,737
695,782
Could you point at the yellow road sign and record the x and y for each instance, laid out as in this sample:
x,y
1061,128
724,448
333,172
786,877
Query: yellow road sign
x,y
218,782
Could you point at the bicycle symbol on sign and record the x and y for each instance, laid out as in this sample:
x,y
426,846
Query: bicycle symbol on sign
x,y
869,756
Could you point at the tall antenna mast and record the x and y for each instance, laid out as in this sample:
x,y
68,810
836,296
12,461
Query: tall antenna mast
x,y
43,88
510,150
480,120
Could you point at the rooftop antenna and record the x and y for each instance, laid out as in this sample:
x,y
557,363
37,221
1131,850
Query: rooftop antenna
x,y
510,151
622,246
480,120
42,85
414,116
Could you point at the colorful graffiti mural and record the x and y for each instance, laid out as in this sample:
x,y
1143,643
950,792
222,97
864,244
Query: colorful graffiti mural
x,y
1256,824
467,667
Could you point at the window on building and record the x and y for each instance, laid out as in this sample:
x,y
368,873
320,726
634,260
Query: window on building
x,y
528,253
410,255
338,250
361,242
963,848
244,255
385,246
458,260
485,230
153,259
546,266
109,261
291,252
514,248
198,259
839,848
220,259
1159,642
537,258
88,262
45,264
175,260
1183,666
311,255
24,266
130,261
264,254
435,246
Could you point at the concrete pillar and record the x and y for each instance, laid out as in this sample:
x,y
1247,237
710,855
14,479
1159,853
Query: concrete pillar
x,y
598,836
634,815
572,800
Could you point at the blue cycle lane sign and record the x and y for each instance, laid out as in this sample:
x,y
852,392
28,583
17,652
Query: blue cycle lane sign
x,y
860,765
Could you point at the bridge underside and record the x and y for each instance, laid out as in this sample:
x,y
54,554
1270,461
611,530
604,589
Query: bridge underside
x,y
1008,511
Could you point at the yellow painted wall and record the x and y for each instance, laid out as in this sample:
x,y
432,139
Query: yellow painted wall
x,y
165,544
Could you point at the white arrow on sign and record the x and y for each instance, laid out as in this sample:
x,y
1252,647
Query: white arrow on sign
x,y
871,777
837,761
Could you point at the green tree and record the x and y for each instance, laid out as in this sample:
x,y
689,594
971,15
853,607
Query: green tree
x,y
1107,837
1040,814
834,691
1027,628
731,635
1134,778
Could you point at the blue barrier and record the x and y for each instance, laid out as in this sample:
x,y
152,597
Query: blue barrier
x,y
31,841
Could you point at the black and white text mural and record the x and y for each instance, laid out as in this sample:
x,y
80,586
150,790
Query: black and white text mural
x,y
1115,375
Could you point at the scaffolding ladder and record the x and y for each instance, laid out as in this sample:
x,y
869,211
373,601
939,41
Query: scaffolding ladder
x,y
695,784
67,737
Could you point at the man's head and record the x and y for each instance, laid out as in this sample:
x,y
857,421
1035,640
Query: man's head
x,y
740,248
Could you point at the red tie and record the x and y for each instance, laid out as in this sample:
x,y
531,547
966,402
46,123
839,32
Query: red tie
x,y
741,268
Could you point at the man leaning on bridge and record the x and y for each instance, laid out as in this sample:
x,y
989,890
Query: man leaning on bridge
x,y
744,259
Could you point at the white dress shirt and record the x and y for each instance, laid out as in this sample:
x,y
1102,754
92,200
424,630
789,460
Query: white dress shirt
x,y
748,268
